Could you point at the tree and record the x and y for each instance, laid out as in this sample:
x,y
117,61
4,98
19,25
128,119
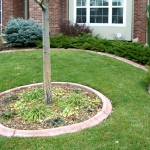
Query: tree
x,y
44,4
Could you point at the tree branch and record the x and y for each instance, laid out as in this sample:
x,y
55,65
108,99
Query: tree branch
x,y
41,3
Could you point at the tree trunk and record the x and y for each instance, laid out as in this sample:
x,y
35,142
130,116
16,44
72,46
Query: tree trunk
x,y
46,55
149,89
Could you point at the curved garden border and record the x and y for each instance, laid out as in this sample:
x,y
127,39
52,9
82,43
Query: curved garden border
x,y
95,120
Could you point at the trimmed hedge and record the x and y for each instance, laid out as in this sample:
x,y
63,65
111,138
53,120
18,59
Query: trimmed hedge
x,y
132,51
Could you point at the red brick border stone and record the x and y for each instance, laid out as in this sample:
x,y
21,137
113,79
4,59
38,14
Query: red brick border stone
x,y
98,118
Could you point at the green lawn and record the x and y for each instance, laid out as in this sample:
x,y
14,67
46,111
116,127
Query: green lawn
x,y
127,128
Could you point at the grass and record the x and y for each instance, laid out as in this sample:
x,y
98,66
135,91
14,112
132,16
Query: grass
x,y
123,84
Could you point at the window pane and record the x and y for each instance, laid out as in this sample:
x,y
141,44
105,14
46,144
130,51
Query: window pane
x,y
105,19
99,15
120,2
117,11
78,2
120,20
81,11
117,2
96,11
81,2
105,11
105,2
98,2
81,19
117,20
98,19
81,15
114,2
117,15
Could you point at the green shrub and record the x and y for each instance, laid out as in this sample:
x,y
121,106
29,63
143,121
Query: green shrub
x,y
22,33
132,51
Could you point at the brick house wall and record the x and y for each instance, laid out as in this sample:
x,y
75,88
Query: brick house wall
x,y
13,8
19,8
7,10
58,13
140,14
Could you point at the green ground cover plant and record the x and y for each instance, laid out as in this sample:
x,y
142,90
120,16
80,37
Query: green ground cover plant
x,y
69,106
136,52
123,84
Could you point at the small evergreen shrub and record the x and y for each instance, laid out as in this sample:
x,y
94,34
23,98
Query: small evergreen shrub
x,y
71,29
132,51
22,33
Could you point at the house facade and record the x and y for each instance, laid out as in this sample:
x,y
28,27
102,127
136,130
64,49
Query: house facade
x,y
111,19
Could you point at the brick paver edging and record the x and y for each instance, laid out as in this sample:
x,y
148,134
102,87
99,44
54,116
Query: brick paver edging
x,y
98,118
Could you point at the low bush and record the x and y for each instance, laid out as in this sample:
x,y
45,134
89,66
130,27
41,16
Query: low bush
x,y
22,33
70,29
132,51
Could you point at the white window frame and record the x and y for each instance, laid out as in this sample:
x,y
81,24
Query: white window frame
x,y
109,14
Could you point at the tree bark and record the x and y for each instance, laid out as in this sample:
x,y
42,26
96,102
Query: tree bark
x,y
44,4
46,55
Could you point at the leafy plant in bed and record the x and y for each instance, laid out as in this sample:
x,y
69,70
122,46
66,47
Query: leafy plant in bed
x,y
26,110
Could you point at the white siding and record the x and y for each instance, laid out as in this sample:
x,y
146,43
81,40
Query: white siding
x,y
110,31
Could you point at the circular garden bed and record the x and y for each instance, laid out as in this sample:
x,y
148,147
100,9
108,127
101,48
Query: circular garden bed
x,y
75,107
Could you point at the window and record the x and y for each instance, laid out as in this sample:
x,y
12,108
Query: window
x,y
81,11
117,11
111,12
98,11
